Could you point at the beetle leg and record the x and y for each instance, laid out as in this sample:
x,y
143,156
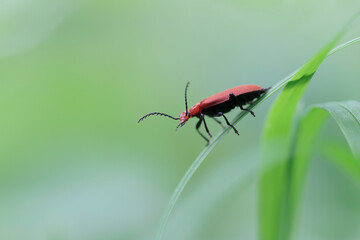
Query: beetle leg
x,y
233,99
227,121
218,121
206,128
245,109
197,129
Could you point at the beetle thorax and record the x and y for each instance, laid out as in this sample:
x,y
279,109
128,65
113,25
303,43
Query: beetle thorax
x,y
195,110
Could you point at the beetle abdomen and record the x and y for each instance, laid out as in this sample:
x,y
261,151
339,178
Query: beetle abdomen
x,y
250,96
242,99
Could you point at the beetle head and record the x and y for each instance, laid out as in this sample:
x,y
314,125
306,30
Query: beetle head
x,y
184,116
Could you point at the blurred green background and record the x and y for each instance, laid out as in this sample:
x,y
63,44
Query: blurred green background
x,y
76,75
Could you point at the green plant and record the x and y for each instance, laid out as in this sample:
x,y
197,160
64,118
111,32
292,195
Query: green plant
x,y
347,117
283,170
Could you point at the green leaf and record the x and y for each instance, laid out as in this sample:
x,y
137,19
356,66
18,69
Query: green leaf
x,y
308,129
276,148
347,116
342,158
201,157
276,145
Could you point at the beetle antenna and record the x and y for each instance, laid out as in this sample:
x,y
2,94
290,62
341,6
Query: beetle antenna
x,y
186,106
157,113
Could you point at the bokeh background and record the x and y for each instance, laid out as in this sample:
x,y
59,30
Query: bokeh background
x,y
76,75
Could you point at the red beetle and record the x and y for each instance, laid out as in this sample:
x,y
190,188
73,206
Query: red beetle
x,y
217,105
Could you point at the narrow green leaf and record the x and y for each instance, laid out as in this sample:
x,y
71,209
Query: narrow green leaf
x,y
308,129
347,116
343,158
276,145
201,157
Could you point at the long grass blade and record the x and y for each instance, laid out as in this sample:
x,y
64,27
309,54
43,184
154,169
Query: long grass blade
x,y
201,157
276,147
277,143
344,159
347,116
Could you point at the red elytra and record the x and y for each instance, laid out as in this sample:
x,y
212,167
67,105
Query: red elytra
x,y
224,95
216,105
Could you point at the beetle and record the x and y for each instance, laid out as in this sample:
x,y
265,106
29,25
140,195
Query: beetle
x,y
216,106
